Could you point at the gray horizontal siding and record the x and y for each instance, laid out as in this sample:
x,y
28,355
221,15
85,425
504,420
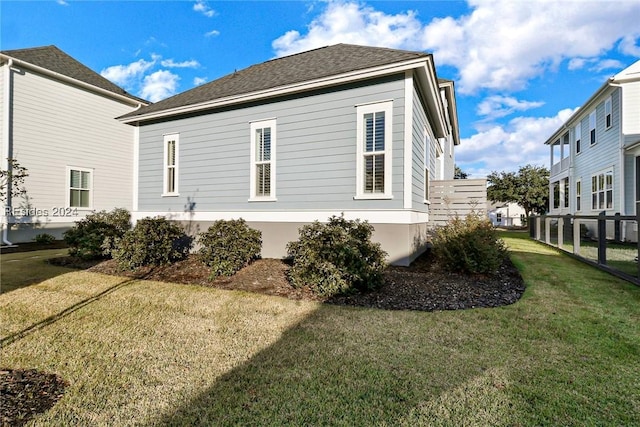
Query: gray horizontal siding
x,y
315,154
418,157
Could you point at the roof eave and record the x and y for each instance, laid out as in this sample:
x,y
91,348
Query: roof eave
x,y
429,82
334,80
71,80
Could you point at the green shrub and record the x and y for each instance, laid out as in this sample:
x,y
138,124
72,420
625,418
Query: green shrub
x,y
227,246
470,245
95,235
336,257
44,239
153,241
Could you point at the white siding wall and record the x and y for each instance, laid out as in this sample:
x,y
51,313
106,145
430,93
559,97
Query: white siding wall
x,y
56,125
631,108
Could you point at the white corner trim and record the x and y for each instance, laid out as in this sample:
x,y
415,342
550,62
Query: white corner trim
x,y
136,167
408,138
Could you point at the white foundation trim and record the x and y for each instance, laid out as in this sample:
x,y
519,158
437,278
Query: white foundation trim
x,y
374,217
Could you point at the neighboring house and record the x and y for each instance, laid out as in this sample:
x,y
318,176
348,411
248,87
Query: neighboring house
x,y
340,129
595,155
58,119
506,214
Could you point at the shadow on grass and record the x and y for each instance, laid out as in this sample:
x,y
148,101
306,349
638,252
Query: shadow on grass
x,y
22,269
334,368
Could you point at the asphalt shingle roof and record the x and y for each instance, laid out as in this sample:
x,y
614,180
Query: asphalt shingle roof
x,y
54,59
288,70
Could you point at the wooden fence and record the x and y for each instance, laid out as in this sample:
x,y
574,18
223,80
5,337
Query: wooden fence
x,y
456,197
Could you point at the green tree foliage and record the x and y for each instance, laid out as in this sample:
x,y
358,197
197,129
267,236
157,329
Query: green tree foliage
x,y
12,180
529,188
459,173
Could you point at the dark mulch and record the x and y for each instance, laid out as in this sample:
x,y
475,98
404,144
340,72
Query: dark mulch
x,y
422,286
27,392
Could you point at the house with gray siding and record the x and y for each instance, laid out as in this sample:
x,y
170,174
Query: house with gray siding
x,y
58,120
595,154
344,129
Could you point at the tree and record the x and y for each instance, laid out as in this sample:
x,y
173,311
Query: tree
x,y
12,180
459,173
529,188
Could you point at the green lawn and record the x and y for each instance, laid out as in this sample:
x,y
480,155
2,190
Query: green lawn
x,y
149,353
26,268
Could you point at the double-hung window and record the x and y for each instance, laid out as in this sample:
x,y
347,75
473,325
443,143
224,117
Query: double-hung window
x,y
607,113
427,149
592,127
80,187
373,179
263,160
170,178
577,135
578,195
602,191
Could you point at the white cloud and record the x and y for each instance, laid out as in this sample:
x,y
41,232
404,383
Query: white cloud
x,y
506,148
170,63
125,75
62,2
212,33
499,45
202,7
159,85
356,23
197,81
497,106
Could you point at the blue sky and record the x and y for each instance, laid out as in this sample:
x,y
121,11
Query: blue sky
x,y
520,67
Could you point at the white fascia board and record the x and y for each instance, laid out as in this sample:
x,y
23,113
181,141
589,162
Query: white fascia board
x,y
284,90
75,82
429,83
372,216
584,107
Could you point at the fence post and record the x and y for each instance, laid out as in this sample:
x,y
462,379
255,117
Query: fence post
x,y
532,229
602,238
616,227
547,230
538,221
560,232
576,236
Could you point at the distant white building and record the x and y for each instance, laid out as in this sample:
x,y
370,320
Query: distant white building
x,y
506,214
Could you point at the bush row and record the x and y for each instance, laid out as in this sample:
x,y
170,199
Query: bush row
x,y
335,257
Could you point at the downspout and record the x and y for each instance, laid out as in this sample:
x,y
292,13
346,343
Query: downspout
x,y
6,134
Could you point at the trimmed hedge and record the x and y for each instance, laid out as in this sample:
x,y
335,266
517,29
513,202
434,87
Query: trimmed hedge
x,y
95,236
337,257
228,246
153,241
470,245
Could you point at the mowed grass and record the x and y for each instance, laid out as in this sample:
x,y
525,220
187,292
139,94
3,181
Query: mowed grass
x,y
26,268
149,353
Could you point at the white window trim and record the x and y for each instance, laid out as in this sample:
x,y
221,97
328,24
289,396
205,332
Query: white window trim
x,y
597,191
68,188
255,125
593,125
577,136
578,194
165,175
427,169
361,110
608,111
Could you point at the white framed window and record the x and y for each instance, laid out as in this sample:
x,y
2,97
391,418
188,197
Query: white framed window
x,y
592,127
263,161
499,217
373,139
577,137
602,190
80,187
565,192
170,164
556,195
607,113
578,195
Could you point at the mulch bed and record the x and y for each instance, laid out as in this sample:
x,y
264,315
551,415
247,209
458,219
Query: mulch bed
x,y
423,286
